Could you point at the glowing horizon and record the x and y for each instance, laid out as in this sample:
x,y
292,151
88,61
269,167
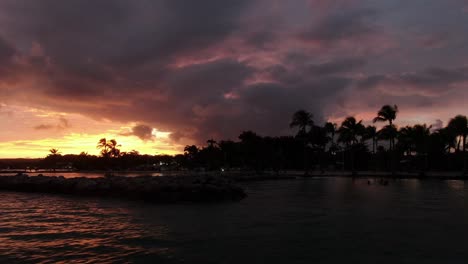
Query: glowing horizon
x,y
72,134
200,70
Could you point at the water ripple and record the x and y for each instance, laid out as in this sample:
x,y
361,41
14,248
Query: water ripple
x,y
323,221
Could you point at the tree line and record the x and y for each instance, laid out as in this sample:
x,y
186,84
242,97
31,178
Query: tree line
x,y
350,146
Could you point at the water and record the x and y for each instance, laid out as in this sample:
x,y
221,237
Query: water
x,y
92,174
328,220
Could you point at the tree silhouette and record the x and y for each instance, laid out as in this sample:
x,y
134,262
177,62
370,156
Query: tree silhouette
x,y
415,140
448,138
388,114
349,132
371,133
211,143
331,128
54,152
406,140
109,148
302,120
459,126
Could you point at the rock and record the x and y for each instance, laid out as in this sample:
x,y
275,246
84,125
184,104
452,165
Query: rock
x,y
156,189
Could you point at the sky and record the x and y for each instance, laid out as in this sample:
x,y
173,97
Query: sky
x,y
157,75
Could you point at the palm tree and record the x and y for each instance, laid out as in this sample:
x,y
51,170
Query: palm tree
x,y
448,138
349,132
389,133
406,139
459,126
415,139
54,152
388,114
109,148
331,128
371,133
303,120
422,135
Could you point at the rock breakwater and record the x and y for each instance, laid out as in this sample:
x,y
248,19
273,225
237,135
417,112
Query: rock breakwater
x,y
155,189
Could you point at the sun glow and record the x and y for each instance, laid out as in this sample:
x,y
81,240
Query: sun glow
x,y
77,143
30,133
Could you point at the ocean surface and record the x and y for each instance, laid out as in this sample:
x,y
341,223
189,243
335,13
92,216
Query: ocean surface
x,y
324,220
90,174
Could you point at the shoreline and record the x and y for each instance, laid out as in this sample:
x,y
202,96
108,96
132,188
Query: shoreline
x,y
162,189
250,175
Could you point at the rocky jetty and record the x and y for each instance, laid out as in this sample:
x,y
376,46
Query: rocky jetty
x,y
155,189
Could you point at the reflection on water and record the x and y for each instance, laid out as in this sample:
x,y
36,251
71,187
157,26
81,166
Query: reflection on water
x,y
90,174
330,220
40,227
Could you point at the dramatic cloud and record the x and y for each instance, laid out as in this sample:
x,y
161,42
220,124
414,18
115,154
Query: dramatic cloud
x,y
211,69
61,124
44,127
343,25
143,132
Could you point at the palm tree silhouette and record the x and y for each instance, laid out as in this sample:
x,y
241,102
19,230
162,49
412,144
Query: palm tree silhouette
x,y
371,133
109,148
459,126
415,140
448,137
388,132
54,152
331,128
406,140
303,120
388,114
421,134
349,132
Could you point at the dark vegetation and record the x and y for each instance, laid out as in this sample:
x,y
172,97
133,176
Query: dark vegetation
x,y
349,146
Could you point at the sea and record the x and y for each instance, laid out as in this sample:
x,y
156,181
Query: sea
x,y
312,220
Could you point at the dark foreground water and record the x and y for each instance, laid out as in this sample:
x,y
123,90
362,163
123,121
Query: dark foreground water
x,y
332,220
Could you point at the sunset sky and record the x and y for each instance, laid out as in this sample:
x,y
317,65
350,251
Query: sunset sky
x,y
157,75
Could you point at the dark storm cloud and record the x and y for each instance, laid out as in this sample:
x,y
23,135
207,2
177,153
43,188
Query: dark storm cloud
x,y
143,132
342,25
211,68
432,80
336,67
207,82
437,77
6,51
86,34
267,107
